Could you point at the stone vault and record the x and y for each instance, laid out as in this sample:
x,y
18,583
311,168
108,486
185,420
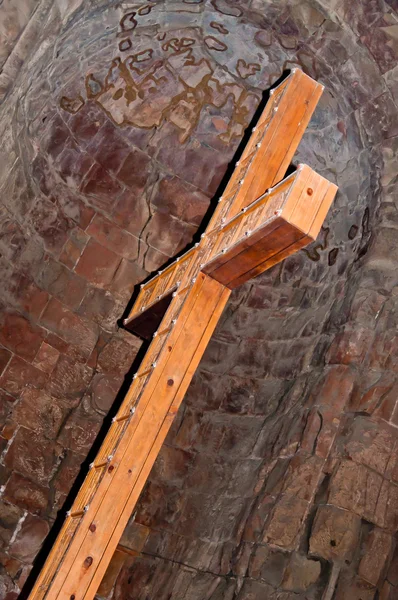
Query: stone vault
x,y
118,121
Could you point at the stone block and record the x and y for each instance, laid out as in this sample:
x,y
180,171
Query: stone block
x,y
135,170
376,555
79,432
268,564
26,494
350,347
97,264
354,589
33,456
114,238
356,488
78,332
29,538
179,199
118,354
371,443
101,188
168,234
301,573
20,336
5,356
69,380
9,518
335,534
19,374
302,477
46,358
37,411
286,522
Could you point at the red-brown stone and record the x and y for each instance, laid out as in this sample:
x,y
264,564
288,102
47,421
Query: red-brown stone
x,y
29,538
39,412
113,237
376,556
101,188
350,347
69,380
135,170
97,264
286,522
335,534
32,456
75,330
175,197
26,494
20,336
20,374
46,358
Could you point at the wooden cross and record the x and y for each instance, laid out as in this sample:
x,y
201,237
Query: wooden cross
x,y
259,221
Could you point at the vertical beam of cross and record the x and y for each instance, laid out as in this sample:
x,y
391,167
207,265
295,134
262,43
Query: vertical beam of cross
x,y
246,235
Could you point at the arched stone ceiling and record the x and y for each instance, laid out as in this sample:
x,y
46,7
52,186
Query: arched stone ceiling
x,y
116,134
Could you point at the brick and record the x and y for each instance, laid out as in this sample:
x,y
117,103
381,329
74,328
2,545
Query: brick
x,y
118,354
9,517
356,488
135,170
354,589
303,476
179,199
29,538
371,443
301,573
20,336
286,522
350,347
335,534
46,358
69,380
76,331
97,264
20,374
68,471
103,391
33,456
336,389
101,188
79,432
26,494
268,564
320,431
376,556
39,412
114,238
127,276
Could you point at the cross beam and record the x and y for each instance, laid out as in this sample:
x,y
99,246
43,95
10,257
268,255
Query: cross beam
x,y
256,224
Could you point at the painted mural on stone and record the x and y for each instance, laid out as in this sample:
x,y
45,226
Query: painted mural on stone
x,y
171,79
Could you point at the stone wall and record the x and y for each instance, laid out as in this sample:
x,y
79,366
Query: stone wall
x,y
278,479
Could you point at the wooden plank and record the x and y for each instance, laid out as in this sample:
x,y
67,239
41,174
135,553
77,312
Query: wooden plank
x,y
308,196
278,134
207,300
